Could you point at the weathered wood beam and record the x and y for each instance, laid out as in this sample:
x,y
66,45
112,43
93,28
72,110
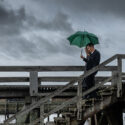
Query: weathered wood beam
x,y
41,68
33,83
10,124
121,56
51,78
22,94
114,78
41,115
63,94
47,79
119,77
49,68
79,104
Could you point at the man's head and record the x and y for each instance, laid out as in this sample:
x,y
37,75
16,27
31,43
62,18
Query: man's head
x,y
90,47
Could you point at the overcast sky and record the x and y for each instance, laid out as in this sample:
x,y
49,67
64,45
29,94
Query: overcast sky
x,y
34,32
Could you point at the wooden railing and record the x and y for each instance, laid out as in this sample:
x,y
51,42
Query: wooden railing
x,y
116,74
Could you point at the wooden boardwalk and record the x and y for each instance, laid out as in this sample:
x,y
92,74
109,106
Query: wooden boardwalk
x,y
32,103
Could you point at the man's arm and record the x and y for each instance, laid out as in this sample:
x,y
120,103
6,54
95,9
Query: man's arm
x,y
94,59
84,59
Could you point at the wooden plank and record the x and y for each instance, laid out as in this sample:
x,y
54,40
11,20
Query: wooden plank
x,y
12,94
41,101
26,87
51,78
46,79
49,68
66,79
14,79
60,95
10,124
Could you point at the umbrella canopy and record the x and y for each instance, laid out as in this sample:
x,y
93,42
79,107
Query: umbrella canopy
x,y
81,39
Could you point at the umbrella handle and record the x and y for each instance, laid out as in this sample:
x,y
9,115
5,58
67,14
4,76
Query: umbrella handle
x,y
81,51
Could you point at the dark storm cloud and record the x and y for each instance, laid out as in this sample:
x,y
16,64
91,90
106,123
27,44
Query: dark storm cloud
x,y
116,7
59,23
106,6
11,21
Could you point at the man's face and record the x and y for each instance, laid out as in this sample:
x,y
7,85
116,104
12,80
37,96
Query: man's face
x,y
89,48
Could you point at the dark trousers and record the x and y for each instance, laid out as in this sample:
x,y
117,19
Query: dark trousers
x,y
89,81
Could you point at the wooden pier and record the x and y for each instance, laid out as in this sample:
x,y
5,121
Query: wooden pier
x,y
31,104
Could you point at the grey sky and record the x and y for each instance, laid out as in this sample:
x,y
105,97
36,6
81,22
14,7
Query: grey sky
x,y
34,32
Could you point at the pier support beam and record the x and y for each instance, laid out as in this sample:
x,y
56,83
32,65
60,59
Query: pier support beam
x,y
23,119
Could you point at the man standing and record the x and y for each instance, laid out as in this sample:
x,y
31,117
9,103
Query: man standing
x,y
92,60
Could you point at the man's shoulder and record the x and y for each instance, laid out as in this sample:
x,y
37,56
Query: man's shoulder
x,y
97,52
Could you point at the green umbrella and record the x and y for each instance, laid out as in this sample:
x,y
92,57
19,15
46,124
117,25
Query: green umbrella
x,y
81,39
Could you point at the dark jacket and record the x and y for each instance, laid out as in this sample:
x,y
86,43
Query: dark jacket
x,y
92,60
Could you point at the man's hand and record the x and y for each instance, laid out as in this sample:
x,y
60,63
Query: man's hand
x,y
82,56
87,52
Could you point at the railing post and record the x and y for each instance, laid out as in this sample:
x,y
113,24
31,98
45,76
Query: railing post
x,y
114,78
42,114
119,81
33,83
79,104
